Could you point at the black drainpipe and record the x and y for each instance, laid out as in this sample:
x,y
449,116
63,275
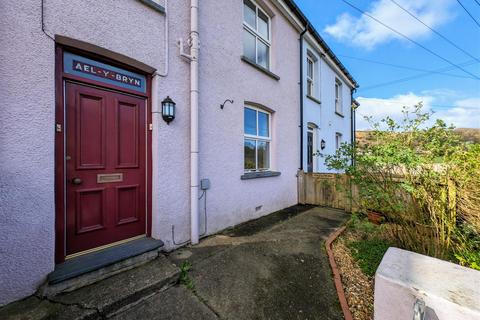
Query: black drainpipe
x,y
301,95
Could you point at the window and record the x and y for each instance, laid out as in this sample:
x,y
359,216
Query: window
x,y
338,140
338,97
311,66
257,139
256,34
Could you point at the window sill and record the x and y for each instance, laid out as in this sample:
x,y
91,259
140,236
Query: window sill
x,y
260,174
152,4
339,114
260,68
314,99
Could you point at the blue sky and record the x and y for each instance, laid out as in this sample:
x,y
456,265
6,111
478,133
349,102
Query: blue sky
x,y
354,36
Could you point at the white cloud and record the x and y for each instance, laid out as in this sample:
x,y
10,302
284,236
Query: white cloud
x,y
466,114
463,113
364,32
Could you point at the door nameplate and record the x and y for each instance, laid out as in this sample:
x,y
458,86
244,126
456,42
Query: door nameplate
x,y
110,177
94,70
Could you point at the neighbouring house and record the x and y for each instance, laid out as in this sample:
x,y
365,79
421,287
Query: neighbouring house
x,y
328,112
145,119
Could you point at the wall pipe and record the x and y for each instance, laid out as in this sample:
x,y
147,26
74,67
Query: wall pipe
x,y
155,104
352,123
301,95
166,42
194,52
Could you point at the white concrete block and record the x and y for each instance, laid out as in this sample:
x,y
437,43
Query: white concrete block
x,y
449,291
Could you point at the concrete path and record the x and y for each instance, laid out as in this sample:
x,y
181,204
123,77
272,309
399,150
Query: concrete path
x,y
271,268
263,269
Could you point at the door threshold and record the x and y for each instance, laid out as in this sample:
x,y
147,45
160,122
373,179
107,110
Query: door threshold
x,y
81,253
89,262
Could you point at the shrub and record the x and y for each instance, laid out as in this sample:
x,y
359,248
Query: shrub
x,y
424,179
369,253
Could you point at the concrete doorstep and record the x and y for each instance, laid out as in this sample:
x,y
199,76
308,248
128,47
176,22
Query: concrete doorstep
x,y
101,299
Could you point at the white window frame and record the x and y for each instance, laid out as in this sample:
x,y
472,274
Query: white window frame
x,y
338,96
258,138
258,36
311,79
338,140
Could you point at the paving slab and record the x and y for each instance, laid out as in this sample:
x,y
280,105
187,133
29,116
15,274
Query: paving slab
x,y
281,272
124,288
34,308
173,303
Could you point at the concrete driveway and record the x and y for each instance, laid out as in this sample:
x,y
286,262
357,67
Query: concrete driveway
x,y
275,267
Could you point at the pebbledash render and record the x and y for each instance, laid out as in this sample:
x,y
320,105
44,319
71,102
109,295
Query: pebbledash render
x,y
91,153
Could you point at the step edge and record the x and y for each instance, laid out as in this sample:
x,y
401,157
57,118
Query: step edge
x,y
120,305
71,284
165,283
103,265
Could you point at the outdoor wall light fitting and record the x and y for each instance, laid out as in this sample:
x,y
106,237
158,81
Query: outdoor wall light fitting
x,y
168,110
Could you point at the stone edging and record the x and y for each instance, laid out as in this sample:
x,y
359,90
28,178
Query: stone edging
x,y
336,274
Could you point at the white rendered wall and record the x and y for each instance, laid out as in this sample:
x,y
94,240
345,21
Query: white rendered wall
x,y
323,114
449,291
224,76
27,119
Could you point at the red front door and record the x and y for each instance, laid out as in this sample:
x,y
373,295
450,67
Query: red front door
x,y
105,167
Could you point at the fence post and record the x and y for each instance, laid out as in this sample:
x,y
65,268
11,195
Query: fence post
x,y
348,193
301,186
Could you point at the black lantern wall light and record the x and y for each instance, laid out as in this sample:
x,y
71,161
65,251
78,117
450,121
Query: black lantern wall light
x,y
322,144
168,110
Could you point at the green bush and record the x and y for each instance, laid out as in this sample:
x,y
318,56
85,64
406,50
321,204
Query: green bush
x,y
359,223
424,179
368,253
468,254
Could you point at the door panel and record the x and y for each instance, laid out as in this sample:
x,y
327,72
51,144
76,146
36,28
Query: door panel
x,y
127,135
127,204
90,136
90,210
105,167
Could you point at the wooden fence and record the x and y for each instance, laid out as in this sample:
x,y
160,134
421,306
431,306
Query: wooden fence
x,y
325,189
337,191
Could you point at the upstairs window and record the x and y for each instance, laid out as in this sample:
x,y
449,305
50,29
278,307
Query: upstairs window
x,y
338,97
256,139
256,34
311,66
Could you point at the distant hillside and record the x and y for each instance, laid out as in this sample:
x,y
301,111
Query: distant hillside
x,y
467,134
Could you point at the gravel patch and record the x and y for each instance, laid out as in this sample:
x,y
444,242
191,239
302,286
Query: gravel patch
x,y
358,287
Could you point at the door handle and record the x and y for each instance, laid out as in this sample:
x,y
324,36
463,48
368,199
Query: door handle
x,y
77,181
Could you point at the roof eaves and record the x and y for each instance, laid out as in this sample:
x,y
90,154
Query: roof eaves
x,y
293,6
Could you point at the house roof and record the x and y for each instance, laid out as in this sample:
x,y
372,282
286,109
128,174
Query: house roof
x,y
293,6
